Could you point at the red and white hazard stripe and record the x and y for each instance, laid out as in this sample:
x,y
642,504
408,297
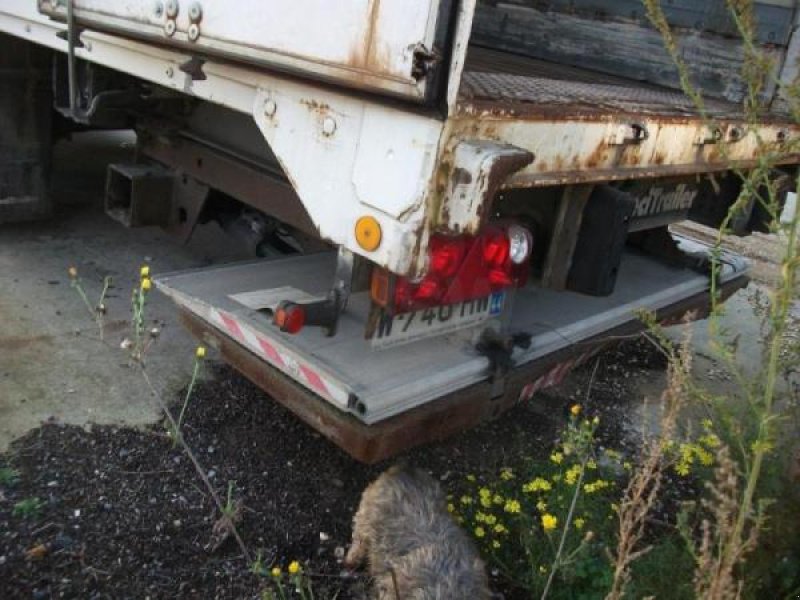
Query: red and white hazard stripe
x,y
280,357
554,376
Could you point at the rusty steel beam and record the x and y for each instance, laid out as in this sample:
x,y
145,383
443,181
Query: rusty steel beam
x,y
428,423
259,189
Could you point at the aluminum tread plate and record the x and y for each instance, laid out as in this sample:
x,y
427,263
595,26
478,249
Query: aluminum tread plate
x,y
396,379
585,96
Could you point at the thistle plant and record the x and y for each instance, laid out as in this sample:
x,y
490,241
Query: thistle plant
x,y
138,304
296,582
175,430
97,311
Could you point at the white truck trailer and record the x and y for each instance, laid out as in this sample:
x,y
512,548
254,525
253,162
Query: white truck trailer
x,y
450,204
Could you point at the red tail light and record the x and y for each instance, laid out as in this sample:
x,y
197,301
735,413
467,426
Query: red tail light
x,y
289,317
460,268
446,255
495,249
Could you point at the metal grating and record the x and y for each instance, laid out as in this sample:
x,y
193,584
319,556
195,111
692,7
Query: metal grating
x,y
522,92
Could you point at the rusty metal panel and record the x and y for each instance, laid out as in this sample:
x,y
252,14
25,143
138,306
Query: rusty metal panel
x,y
374,44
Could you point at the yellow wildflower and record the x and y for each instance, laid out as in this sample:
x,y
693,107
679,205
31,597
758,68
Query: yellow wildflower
x,y
146,284
627,466
542,569
595,486
73,272
541,485
710,440
200,352
451,507
471,478
591,465
512,506
705,457
682,469
276,572
549,522
596,421
571,476
707,424
498,499
500,528
491,519
480,532
506,474
557,457
484,492
480,517
144,271
294,567
579,523
495,544
541,506
575,410
466,500
486,501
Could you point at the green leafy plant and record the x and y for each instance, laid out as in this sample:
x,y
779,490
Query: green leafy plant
x,y
296,582
28,508
9,476
544,527
735,509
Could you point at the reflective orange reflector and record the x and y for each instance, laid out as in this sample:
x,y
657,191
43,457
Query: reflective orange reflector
x,y
379,286
289,318
368,233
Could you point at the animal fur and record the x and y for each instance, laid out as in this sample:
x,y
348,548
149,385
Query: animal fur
x,y
413,548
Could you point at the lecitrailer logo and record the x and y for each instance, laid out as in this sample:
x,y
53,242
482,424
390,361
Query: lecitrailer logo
x,y
658,200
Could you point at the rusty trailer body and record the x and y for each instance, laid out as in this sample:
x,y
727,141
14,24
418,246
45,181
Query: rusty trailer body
x,y
475,159
384,109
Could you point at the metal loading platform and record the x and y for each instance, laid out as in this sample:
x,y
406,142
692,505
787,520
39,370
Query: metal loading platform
x,y
375,403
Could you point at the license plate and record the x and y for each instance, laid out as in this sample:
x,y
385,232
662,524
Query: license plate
x,y
438,320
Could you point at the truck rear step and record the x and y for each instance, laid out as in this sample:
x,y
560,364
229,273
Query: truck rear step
x,y
375,403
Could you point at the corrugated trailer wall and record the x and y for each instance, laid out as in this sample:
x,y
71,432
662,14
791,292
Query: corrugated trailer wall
x,y
616,37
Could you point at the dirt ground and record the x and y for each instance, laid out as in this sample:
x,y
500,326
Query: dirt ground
x,y
122,513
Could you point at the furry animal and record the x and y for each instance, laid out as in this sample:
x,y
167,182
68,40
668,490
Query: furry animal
x,y
413,548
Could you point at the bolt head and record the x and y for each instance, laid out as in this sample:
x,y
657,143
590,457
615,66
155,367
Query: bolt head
x,y
194,32
170,27
195,12
170,72
270,108
328,126
158,9
172,8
